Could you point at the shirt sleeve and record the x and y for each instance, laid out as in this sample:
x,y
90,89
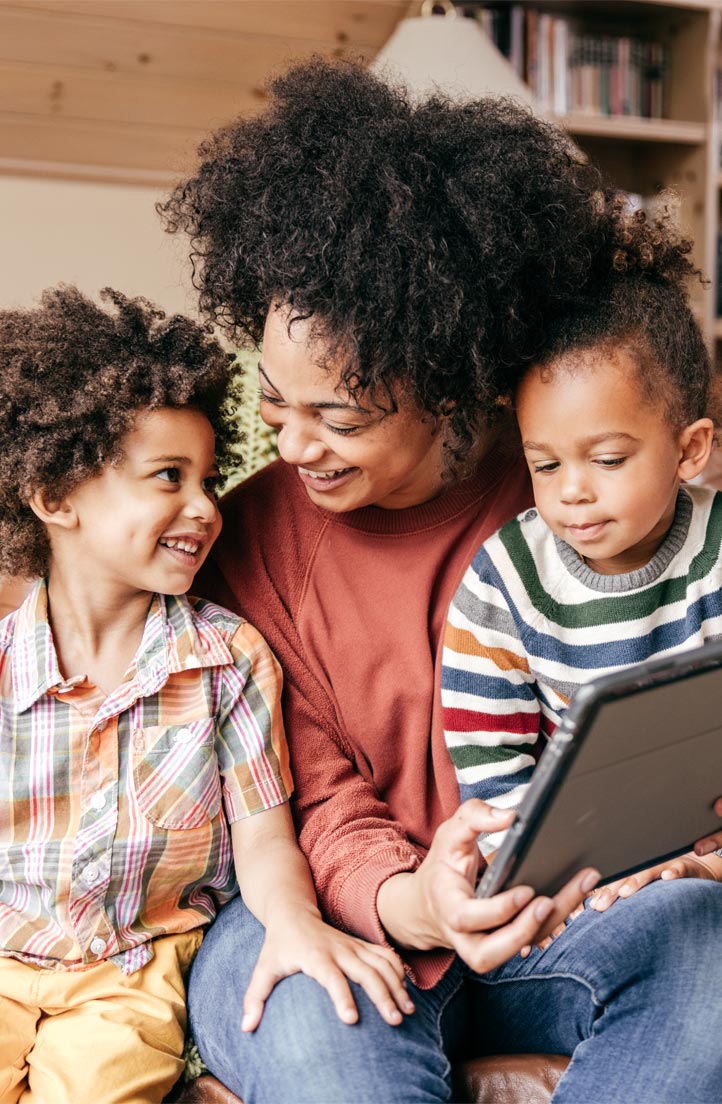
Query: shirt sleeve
x,y
491,712
251,743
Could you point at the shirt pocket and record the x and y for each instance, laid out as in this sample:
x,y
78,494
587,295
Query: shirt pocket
x,y
175,773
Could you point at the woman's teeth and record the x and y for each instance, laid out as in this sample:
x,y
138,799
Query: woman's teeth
x,y
323,475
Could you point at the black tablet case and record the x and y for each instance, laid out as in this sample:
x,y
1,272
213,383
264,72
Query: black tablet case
x,y
628,778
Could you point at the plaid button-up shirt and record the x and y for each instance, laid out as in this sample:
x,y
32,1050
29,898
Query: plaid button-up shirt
x,y
114,810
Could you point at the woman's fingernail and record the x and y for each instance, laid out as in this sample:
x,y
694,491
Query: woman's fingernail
x,y
498,814
246,1023
543,909
626,891
408,1006
590,881
522,896
702,849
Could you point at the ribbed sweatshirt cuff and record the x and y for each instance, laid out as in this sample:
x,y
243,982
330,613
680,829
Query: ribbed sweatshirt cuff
x,y
358,912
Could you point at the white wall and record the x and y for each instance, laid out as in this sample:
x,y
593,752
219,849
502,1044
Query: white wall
x,y
92,235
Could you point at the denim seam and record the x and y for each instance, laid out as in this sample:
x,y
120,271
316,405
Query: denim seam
x,y
545,977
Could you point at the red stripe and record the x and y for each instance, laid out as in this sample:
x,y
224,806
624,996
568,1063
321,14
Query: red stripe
x,y
466,720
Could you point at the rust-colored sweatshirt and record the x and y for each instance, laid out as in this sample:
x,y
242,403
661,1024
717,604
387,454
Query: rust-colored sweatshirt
x,y
354,606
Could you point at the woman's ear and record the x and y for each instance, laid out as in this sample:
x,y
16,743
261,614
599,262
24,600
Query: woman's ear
x,y
695,442
53,512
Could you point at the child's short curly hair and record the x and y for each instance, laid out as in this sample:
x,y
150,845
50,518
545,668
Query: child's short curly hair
x,y
430,243
73,377
643,306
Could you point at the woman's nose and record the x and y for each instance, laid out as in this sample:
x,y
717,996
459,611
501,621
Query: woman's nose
x,y
298,443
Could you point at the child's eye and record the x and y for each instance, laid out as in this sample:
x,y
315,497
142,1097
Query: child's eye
x,y
547,467
169,475
611,461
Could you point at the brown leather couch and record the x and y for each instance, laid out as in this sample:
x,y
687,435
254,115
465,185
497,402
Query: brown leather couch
x,y
515,1079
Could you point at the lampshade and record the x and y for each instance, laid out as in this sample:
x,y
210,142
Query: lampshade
x,y
447,53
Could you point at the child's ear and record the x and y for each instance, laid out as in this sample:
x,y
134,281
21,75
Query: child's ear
x,y
695,443
51,511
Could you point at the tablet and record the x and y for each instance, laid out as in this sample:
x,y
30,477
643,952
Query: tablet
x,y
628,778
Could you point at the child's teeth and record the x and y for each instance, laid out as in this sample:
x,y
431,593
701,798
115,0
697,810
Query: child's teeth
x,y
182,546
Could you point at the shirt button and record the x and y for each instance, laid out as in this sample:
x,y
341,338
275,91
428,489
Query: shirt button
x,y
97,945
97,801
183,735
91,875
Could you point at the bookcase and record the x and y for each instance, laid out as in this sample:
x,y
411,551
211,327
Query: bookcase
x,y
678,147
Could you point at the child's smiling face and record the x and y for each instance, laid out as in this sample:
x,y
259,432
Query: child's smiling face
x,y
148,523
604,460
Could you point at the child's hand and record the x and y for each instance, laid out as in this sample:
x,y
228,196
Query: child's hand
x,y
305,944
684,866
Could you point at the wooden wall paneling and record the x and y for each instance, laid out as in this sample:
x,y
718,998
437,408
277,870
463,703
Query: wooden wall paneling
x,y
76,142
338,23
58,93
133,48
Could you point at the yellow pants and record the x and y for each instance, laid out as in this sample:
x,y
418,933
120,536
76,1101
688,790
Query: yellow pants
x,y
94,1036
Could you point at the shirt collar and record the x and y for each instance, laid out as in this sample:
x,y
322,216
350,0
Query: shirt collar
x,y
175,638
34,662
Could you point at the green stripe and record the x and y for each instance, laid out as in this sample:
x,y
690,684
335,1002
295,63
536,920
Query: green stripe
x,y
472,755
618,608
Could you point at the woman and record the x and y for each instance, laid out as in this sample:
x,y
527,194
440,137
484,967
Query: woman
x,y
400,265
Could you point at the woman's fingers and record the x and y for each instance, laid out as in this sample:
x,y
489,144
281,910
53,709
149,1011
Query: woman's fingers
x,y
568,900
480,914
485,951
710,843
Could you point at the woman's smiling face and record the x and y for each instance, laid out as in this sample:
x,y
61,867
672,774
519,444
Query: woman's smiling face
x,y
348,452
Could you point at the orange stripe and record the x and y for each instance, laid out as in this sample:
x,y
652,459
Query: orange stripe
x,y
465,643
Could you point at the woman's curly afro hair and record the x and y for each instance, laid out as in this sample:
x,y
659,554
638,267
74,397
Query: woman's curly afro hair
x,y
429,243
73,378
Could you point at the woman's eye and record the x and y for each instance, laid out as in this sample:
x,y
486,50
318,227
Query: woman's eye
x,y
169,475
263,396
343,430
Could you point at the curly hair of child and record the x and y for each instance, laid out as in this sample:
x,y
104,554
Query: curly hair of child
x,y
643,308
75,376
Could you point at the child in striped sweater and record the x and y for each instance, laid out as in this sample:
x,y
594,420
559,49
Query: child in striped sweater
x,y
621,559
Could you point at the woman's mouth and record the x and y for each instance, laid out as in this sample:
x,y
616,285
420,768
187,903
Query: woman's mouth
x,y
324,480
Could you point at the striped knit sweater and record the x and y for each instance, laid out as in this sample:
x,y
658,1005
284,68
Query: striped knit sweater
x,y
531,622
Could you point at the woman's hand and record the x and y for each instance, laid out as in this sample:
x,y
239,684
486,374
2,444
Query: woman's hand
x,y
684,866
435,906
710,843
303,943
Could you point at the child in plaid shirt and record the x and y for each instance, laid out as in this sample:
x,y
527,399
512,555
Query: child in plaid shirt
x,y
143,764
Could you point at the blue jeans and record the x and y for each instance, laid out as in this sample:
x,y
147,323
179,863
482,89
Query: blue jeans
x,y
634,994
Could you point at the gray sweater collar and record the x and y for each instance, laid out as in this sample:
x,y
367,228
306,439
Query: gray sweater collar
x,y
643,576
